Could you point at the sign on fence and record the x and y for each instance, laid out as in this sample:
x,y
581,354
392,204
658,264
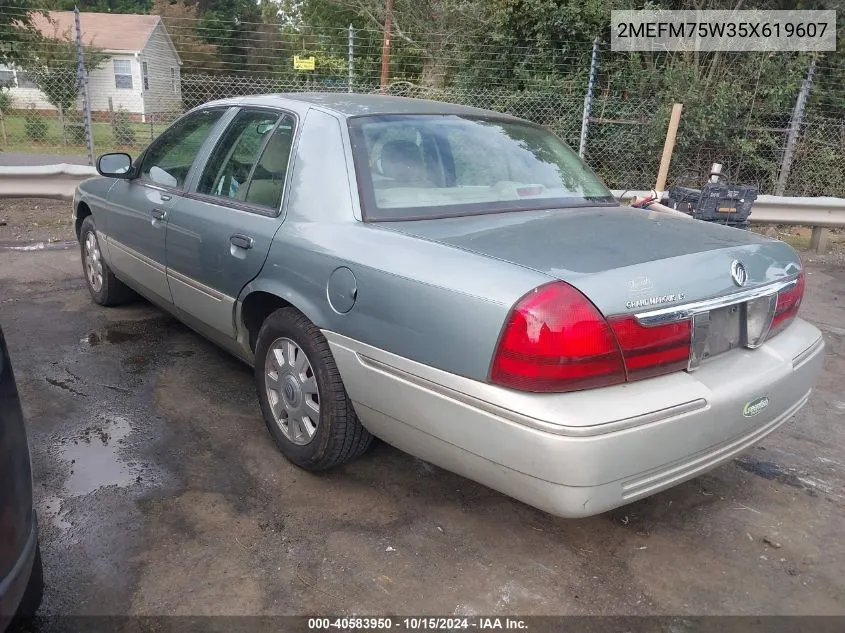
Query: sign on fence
x,y
304,63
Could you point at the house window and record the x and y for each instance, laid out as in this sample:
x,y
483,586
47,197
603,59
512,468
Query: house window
x,y
24,81
172,79
145,75
122,73
7,78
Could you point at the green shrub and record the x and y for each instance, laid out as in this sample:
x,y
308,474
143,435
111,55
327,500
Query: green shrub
x,y
121,127
5,99
35,125
74,128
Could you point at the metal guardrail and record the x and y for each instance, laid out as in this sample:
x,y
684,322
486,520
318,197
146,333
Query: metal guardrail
x,y
43,181
59,182
815,212
820,213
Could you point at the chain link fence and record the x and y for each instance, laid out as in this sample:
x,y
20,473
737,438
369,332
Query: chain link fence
x,y
134,97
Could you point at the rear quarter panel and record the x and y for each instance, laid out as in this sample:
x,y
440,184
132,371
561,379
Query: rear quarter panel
x,y
425,301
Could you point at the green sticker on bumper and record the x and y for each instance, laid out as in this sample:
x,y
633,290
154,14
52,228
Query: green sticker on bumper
x,y
755,406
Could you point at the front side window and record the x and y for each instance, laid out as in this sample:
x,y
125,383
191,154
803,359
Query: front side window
x,y
250,162
122,73
426,166
168,160
145,76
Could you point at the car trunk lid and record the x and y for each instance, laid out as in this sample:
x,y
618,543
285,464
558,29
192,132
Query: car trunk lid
x,y
624,259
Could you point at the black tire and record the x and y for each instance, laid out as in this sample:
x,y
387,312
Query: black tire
x,y
112,291
32,596
339,436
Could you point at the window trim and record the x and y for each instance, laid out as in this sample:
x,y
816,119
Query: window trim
x,y
366,194
130,74
241,205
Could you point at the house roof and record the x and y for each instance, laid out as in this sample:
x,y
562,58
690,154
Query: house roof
x,y
108,31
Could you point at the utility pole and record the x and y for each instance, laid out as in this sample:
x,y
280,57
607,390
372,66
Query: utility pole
x,y
588,99
82,78
385,47
795,129
351,60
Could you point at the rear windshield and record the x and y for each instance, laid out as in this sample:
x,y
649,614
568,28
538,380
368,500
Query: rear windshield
x,y
412,167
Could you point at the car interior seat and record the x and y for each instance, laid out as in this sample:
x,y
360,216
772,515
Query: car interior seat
x,y
269,179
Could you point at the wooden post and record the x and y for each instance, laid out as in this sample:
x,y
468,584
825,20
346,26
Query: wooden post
x,y
62,125
111,111
385,46
818,240
669,146
3,128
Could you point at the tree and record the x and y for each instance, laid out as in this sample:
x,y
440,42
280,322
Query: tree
x,y
429,32
180,20
231,25
53,69
100,6
17,33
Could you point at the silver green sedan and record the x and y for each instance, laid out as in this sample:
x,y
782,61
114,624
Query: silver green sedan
x,y
459,284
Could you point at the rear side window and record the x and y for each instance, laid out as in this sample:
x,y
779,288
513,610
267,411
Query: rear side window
x,y
250,162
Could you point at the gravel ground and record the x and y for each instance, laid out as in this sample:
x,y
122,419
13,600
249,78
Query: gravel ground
x,y
160,491
35,220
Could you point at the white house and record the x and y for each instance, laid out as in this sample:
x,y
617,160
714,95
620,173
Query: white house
x,y
141,73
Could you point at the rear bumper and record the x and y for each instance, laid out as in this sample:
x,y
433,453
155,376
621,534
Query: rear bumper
x,y
12,587
582,453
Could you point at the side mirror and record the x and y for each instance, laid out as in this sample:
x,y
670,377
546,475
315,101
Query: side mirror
x,y
117,165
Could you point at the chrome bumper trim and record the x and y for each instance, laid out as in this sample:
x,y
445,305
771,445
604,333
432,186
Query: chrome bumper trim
x,y
689,310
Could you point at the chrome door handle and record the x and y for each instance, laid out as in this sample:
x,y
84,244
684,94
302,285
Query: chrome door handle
x,y
241,241
159,214
165,197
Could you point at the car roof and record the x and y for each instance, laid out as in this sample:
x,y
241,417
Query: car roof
x,y
351,104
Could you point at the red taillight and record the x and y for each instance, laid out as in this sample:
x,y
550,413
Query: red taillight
x,y
787,306
652,351
556,340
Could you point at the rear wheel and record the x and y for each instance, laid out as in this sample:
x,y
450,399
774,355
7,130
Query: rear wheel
x,y
302,396
105,288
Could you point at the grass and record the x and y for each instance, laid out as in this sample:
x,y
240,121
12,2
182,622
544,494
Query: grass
x,y
17,140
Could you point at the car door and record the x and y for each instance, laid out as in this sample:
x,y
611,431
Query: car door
x,y
219,232
136,225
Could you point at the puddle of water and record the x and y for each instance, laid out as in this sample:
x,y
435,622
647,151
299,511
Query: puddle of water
x,y
769,470
94,459
50,508
38,246
109,335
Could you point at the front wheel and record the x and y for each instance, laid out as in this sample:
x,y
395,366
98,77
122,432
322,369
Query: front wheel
x,y
105,288
303,400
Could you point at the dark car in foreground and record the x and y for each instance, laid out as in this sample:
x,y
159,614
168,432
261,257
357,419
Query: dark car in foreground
x,y
458,283
21,579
